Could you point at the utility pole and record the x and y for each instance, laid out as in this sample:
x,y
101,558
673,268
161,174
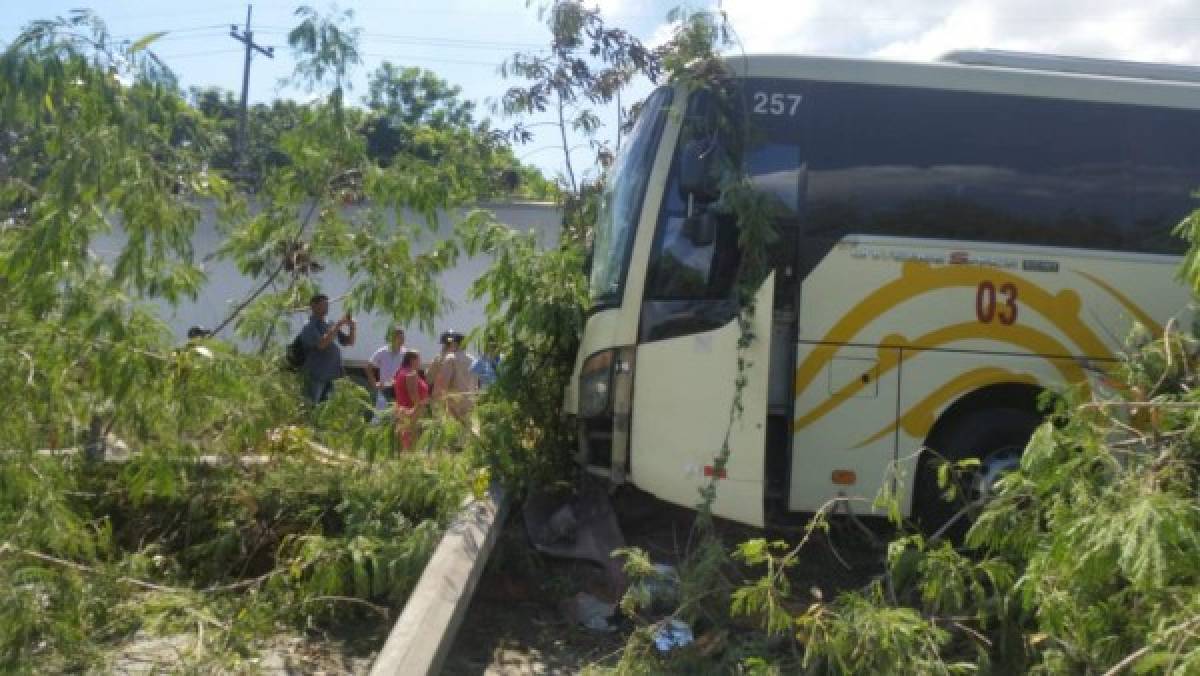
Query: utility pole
x,y
246,38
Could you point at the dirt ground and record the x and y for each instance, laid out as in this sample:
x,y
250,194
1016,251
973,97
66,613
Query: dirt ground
x,y
516,624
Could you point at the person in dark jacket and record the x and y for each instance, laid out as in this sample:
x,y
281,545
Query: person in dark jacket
x,y
322,354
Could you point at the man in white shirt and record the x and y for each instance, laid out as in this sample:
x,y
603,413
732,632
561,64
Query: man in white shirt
x,y
384,363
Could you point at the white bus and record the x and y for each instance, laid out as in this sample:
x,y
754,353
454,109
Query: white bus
x,y
959,236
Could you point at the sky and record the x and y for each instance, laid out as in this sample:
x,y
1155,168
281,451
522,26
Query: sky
x,y
464,41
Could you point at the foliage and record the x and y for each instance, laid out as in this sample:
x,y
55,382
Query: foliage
x,y
221,513
121,154
1189,271
264,125
536,298
410,113
1084,563
415,97
406,104
331,203
534,301
326,48
403,100
92,553
589,64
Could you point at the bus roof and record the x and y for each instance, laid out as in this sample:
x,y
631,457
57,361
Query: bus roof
x,y
1025,77
1082,65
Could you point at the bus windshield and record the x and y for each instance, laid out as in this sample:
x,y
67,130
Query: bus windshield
x,y
622,202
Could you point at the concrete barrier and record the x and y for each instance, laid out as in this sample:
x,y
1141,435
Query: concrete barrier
x,y
421,639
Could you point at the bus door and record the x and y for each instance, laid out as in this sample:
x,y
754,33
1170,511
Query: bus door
x,y
689,367
685,381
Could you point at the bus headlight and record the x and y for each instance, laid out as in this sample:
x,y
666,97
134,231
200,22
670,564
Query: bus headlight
x,y
595,384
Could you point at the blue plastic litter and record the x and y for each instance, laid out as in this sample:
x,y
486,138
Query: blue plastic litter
x,y
672,634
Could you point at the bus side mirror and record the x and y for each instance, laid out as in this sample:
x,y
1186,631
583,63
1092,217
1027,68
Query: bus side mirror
x,y
699,171
701,228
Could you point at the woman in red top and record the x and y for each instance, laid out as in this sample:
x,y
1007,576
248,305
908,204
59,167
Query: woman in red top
x,y
412,396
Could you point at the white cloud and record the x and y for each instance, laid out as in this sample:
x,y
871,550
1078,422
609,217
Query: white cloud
x,y
661,35
609,8
1150,30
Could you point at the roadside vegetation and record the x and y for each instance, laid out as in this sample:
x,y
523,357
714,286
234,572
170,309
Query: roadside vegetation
x,y
1085,561
152,489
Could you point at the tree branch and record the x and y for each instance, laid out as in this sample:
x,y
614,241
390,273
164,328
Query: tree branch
x,y
1140,652
270,280
46,558
383,612
1129,659
6,548
562,130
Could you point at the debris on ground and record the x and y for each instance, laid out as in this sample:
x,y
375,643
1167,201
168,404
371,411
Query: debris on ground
x,y
589,611
582,525
672,634
662,587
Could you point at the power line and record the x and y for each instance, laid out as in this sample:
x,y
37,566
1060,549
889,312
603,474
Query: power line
x,y
495,43
416,59
188,55
171,31
205,31
181,39
432,40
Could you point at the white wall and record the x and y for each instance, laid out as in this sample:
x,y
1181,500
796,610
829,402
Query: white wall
x,y
227,287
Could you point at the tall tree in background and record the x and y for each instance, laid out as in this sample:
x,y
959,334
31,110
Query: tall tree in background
x,y
404,99
414,111
409,112
326,49
265,123
588,65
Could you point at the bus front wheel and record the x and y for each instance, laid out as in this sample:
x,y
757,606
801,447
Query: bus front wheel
x,y
997,438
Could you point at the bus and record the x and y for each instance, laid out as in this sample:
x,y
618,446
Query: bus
x,y
955,238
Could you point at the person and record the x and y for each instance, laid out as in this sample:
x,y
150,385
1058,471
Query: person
x,y
411,396
435,364
451,373
322,354
198,333
484,368
381,370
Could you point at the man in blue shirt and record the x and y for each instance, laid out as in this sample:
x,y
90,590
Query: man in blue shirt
x,y
322,356
484,368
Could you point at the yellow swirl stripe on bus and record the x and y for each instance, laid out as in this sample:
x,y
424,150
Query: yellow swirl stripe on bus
x,y
919,419
1061,310
1031,340
1138,313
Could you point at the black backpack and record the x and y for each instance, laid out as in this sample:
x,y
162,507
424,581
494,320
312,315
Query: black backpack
x,y
295,354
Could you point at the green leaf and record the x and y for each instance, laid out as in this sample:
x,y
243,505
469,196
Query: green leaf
x,y
145,41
